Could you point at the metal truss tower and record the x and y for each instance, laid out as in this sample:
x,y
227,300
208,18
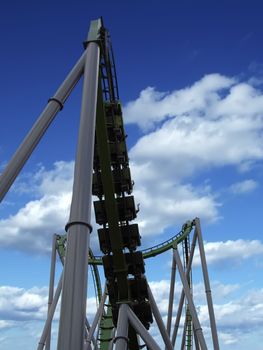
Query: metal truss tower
x,y
126,303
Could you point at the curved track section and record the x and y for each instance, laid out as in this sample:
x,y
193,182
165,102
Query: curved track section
x,y
147,253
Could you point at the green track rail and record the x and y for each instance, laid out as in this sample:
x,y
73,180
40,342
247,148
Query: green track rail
x,y
159,248
106,324
147,253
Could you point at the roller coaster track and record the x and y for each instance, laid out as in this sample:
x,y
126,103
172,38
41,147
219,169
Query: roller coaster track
x,y
147,253
115,209
95,261
127,307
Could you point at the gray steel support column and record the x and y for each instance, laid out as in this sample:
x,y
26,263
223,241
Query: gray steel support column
x,y
171,298
39,128
187,292
121,338
51,285
159,321
50,316
207,286
142,331
87,330
74,291
111,343
95,322
178,318
196,342
181,302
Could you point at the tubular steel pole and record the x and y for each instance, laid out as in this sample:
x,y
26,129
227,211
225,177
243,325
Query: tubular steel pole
x,y
51,285
171,298
26,148
87,330
207,286
196,342
74,291
121,338
50,316
112,340
178,317
95,323
181,302
187,292
141,330
159,321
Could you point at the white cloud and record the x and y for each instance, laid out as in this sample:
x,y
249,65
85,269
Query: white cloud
x,y
227,338
248,309
231,329
220,291
57,180
211,128
5,324
19,307
214,123
25,310
32,226
152,106
19,304
243,187
165,204
235,251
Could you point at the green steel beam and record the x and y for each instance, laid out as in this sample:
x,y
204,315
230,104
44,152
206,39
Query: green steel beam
x,y
106,329
119,263
163,247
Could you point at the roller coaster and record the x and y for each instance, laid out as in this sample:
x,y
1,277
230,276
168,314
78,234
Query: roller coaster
x,y
126,305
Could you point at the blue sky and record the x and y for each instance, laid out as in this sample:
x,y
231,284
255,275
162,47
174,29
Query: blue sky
x,y
191,83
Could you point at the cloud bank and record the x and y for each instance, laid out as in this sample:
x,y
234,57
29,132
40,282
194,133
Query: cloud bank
x,y
215,123
20,307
